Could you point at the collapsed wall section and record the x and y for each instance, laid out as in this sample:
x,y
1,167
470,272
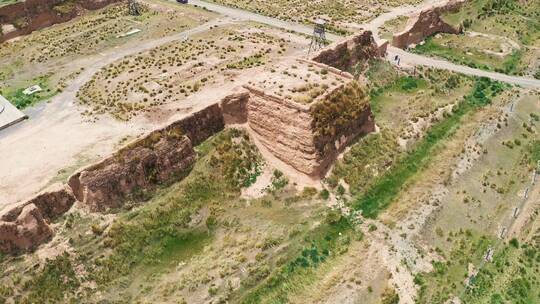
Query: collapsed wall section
x,y
428,22
28,225
163,156
352,53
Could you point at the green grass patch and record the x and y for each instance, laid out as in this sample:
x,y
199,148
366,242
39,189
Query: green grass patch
x,y
322,243
381,73
159,232
511,65
446,279
513,19
50,285
21,100
247,62
431,47
512,276
371,156
395,84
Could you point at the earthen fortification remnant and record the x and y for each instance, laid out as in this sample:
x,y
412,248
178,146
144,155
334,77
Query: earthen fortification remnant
x,y
353,53
426,23
27,225
307,117
162,156
305,113
159,157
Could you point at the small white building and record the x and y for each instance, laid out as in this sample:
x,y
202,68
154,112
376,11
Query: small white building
x,y
9,114
33,89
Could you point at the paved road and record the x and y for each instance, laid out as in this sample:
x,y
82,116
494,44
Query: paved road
x,y
406,57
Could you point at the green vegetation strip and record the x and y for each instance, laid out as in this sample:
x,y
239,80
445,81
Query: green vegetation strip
x,y
328,240
388,186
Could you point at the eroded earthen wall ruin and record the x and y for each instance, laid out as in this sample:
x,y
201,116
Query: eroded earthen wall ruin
x,y
160,157
309,137
352,53
25,226
284,128
428,22
306,136
133,171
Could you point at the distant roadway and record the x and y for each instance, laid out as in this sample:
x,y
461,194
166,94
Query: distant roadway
x,y
406,58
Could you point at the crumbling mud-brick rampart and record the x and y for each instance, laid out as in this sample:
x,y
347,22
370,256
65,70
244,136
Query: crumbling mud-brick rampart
x,y
25,226
326,110
160,157
309,134
156,159
352,53
426,23
30,15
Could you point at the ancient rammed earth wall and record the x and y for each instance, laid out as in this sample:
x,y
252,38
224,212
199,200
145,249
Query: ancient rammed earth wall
x,y
428,22
338,119
351,53
32,15
162,156
27,225
309,137
287,135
